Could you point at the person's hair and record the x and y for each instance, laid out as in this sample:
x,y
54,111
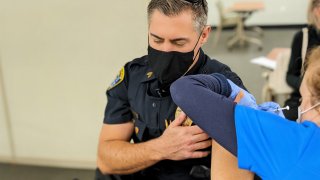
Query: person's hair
x,y
199,8
313,68
312,19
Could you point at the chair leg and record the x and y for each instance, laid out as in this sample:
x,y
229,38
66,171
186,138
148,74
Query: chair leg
x,y
266,93
257,30
254,41
233,41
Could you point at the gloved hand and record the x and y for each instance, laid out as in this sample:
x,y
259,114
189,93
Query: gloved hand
x,y
241,96
246,99
271,107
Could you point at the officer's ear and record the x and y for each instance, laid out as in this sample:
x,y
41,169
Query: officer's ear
x,y
205,34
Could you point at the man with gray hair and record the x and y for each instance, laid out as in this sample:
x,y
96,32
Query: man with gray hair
x,y
141,109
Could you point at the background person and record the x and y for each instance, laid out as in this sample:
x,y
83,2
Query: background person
x,y
298,54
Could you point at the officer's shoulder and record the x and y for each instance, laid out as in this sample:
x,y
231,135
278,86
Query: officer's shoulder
x,y
136,63
129,69
213,65
212,61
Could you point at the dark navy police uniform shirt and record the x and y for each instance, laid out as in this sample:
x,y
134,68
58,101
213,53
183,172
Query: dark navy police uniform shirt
x,y
136,95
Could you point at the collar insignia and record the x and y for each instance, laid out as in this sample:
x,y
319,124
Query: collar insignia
x,y
149,74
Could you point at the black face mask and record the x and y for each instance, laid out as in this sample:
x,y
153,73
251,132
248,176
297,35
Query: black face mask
x,y
169,66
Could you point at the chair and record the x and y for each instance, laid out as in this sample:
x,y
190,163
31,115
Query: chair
x,y
276,84
236,15
227,19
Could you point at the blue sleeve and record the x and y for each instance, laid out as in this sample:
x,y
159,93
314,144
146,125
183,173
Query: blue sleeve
x,y
204,99
268,144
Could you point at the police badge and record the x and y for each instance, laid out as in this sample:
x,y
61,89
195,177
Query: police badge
x,y
187,122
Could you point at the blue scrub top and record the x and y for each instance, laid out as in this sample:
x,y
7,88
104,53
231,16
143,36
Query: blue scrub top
x,y
276,148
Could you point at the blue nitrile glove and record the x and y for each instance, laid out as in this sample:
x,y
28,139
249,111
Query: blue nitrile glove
x,y
250,101
271,107
246,100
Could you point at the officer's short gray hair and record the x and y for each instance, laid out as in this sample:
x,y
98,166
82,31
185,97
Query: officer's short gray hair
x,y
312,19
176,7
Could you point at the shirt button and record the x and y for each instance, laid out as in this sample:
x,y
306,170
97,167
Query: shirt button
x,y
154,105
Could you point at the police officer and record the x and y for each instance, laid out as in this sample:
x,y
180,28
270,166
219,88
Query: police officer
x,y
141,109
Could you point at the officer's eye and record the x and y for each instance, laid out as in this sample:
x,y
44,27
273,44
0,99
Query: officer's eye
x,y
158,41
179,43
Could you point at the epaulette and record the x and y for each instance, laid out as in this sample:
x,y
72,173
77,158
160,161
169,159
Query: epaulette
x,y
142,61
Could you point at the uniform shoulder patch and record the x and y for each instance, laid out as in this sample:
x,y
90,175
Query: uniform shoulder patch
x,y
119,78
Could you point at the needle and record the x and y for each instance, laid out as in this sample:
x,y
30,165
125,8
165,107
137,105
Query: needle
x,y
284,108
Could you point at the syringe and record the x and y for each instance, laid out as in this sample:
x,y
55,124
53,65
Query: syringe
x,y
284,108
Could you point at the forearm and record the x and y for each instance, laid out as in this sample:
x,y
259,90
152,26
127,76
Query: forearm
x,y
120,157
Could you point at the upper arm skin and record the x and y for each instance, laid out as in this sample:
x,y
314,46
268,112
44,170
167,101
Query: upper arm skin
x,y
224,165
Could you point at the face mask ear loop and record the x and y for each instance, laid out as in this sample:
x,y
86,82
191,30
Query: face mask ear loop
x,y
195,55
198,40
310,108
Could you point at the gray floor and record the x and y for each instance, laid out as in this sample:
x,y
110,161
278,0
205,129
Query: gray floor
x,y
19,172
238,59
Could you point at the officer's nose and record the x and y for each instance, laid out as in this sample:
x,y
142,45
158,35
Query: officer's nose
x,y
167,47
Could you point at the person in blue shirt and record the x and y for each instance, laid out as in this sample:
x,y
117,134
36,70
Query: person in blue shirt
x,y
265,143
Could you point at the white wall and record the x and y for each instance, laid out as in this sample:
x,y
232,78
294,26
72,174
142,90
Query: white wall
x,y
6,153
276,12
58,59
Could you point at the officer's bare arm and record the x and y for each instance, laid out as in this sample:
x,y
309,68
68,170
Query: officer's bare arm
x,y
116,155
